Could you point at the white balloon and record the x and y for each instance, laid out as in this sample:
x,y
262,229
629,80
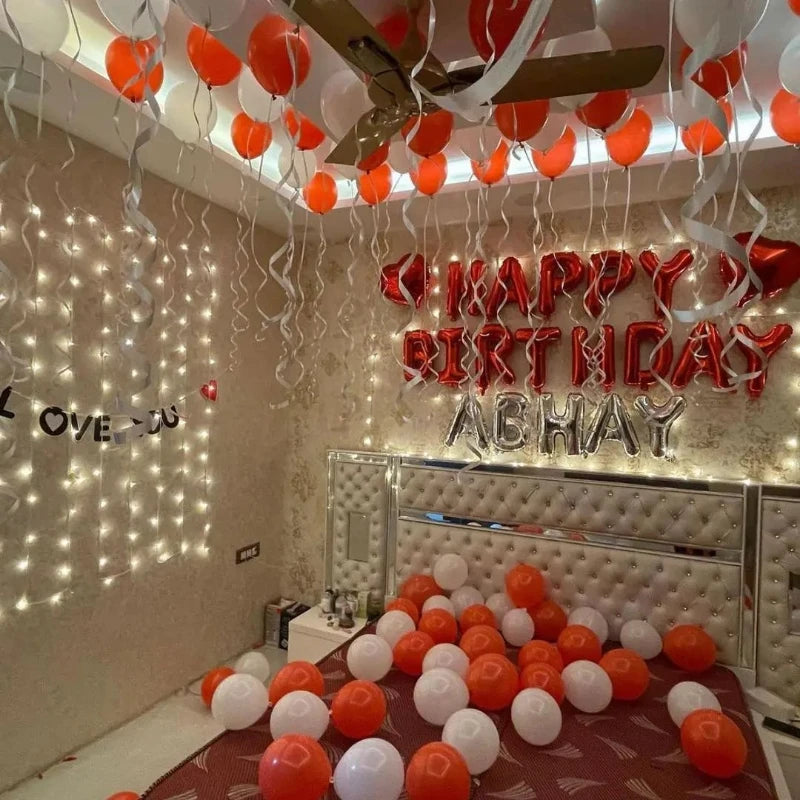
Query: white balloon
x,y
239,702
299,168
371,768
681,111
593,41
517,627
499,604
789,66
213,14
464,597
254,664
190,112
255,100
122,15
641,637
42,25
592,619
346,171
343,100
438,601
552,130
450,571
299,712
438,694
688,696
446,656
587,686
393,625
536,716
477,142
475,736
737,20
369,658
401,159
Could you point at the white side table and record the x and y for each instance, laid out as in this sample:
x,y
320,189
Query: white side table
x,y
311,638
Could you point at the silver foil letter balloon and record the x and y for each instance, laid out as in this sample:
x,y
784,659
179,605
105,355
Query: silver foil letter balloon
x,y
569,424
659,420
468,421
611,422
510,421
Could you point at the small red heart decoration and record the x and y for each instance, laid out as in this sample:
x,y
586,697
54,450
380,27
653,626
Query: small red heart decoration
x,y
777,264
209,391
416,280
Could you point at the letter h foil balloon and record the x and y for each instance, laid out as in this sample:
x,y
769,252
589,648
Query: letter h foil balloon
x,y
569,424
510,423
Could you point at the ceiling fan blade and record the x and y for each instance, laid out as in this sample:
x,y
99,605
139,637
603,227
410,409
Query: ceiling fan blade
x,y
366,136
585,73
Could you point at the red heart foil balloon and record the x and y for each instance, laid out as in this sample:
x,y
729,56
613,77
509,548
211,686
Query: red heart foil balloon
x,y
209,391
777,264
416,280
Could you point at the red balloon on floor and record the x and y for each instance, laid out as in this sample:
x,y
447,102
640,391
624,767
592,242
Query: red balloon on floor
x,y
525,586
124,796
538,651
579,643
418,588
358,709
437,771
480,640
410,651
549,619
294,767
493,682
713,743
213,679
440,625
404,604
629,674
476,615
296,676
543,676
690,647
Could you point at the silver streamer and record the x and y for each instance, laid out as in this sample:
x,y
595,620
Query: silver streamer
x,y
568,425
611,423
468,422
659,420
510,421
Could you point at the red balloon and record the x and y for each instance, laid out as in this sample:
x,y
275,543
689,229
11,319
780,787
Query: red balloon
x,y
307,135
628,144
437,771
294,767
549,619
718,75
481,640
477,614
212,61
124,796
492,681
430,174
126,62
558,159
702,353
320,193
525,586
394,28
703,136
795,6
494,168
418,352
539,675
506,16
296,676
610,272
636,334
213,679
538,651
268,53
769,344
410,651
604,109
784,114
404,604
537,355
580,360
579,643
439,625
417,282
559,273
433,132
519,122
376,185
690,647
418,588
453,374
374,160
250,138
664,279
494,343
714,743
628,672
358,709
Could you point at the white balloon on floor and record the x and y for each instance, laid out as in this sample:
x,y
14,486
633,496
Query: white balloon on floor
x,y
446,656
450,571
255,100
42,25
370,769
190,112
688,696
239,702
475,736
438,694
124,16
641,637
369,658
464,597
393,625
213,14
254,664
536,716
499,604
591,619
587,686
299,712
439,601
517,627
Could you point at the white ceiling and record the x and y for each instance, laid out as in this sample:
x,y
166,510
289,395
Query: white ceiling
x,y
627,24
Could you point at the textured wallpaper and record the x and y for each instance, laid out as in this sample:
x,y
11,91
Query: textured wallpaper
x,y
358,398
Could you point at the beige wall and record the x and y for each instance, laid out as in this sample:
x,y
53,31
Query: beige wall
x,y
74,670
720,435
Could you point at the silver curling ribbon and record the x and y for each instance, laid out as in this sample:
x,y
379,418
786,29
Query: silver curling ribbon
x,y
510,421
611,423
659,420
568,425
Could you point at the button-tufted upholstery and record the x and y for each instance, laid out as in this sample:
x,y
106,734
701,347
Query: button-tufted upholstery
x,y
778,664
701,519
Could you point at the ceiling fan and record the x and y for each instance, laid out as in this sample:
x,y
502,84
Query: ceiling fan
x,y
344,28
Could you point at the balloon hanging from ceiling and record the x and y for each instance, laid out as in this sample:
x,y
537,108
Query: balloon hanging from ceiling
x,y
125,17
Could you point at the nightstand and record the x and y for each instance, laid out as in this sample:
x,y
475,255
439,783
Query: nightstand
x,y
311,637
